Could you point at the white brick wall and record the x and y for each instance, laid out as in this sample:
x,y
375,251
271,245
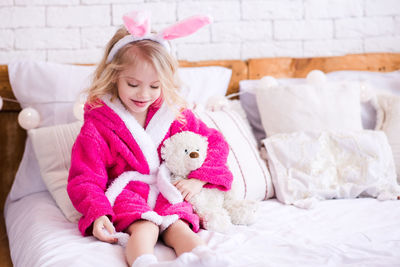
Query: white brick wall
x,y
303,29
46,2
242,31
272,49
78,16
364,27
209,51
6,39
272,9
332,47
6,3
397,26
76,31
47,38
219,10
161,12
16,17
382,7
320,9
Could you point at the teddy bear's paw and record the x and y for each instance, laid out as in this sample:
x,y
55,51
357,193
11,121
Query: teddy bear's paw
x,y
219,222
243,212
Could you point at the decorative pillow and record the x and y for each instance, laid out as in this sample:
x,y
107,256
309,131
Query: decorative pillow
x,y
388,121
235,106
379,83
251,176
247,89
307,107
310,166
249,104
53,146
52,89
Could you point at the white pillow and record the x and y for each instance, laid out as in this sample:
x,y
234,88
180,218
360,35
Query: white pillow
x,y
251,178
53,146
310,166
200,83
305,107
388,121
247,90
52,89
379,82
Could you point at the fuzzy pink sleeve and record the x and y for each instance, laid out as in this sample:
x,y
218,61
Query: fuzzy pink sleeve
x,y
88,178
214,169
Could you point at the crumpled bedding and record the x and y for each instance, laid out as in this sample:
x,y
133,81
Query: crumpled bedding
x,y
346,232
310,166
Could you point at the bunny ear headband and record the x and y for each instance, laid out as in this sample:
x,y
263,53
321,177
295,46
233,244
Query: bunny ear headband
x,y
138,25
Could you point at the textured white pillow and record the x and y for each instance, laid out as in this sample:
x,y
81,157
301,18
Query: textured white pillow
x,y
53,146
304,107
251,178
388,121
53,88
310,166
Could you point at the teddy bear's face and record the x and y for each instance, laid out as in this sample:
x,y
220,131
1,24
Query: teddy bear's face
x,y
184,152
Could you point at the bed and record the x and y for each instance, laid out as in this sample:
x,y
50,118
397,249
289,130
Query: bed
x,y
349,231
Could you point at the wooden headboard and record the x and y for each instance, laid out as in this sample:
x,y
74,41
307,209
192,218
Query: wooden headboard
x,y
300,67
12,137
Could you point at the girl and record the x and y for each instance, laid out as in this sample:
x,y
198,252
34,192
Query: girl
x,y
132,107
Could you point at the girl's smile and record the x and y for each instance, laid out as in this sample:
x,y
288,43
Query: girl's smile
x,y
140,103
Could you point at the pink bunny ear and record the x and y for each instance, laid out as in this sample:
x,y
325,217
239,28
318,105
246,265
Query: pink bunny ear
x,y
185,27
137,23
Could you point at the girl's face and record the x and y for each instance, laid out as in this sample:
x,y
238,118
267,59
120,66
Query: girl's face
x,y
138,87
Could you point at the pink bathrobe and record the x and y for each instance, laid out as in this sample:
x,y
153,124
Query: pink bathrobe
x,y
115,167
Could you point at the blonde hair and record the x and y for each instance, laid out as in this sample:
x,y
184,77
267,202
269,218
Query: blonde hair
x,y
106,74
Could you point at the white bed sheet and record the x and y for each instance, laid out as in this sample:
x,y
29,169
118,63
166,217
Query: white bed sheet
x,y
352,232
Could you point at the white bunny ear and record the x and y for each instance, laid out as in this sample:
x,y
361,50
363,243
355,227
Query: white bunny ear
x,y
137,23
185,27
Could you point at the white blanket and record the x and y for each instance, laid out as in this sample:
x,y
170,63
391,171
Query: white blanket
x,y
351,232
311,166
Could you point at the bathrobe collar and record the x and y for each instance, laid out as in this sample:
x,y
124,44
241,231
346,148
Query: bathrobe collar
x,y
115,116
150,138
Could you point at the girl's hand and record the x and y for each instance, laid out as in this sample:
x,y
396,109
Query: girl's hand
x,y
99,225
189,187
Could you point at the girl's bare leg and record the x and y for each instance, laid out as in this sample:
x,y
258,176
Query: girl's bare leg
x,y
181,238
143,237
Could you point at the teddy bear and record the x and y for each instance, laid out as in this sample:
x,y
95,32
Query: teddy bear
x,y
218,210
